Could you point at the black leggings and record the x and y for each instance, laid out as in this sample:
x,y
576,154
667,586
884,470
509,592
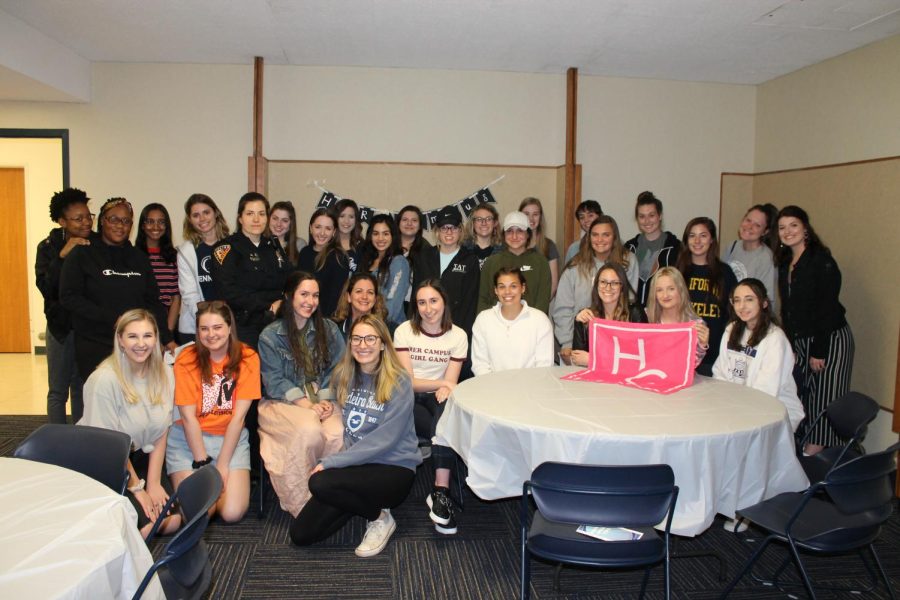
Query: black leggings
x,y
426,414
339,494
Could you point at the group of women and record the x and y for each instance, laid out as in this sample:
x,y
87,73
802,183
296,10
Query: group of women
x,y
353,343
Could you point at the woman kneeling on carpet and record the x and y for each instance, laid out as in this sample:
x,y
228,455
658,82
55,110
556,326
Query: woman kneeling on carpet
x,y
216,379
131,391
375,470
297,425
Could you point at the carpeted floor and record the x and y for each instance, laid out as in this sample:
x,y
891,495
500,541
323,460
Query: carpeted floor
x,y
254,559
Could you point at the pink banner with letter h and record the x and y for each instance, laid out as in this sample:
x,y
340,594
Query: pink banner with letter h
x,y
658,358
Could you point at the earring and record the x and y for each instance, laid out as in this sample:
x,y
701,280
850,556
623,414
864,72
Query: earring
x,y
806,234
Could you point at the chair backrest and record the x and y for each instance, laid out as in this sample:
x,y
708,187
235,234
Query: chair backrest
x,y
626,496
93,451
850,415
186,551
864,483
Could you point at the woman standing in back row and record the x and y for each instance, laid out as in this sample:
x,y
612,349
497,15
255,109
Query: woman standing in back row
x,y
810,284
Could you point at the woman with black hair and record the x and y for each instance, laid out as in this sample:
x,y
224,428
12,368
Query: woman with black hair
x,y
154,238
709,282
298,426
326,259
411,225
102,280
380,254
250,269
283,229
809,282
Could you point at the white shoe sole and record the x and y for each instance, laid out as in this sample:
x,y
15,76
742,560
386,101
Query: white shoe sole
x,y
382,546
736,527
434,518
443,530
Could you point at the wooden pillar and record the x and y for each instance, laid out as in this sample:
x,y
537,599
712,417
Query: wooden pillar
x,y
573,179
257,164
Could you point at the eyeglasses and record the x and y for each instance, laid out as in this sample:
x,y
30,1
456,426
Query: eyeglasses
x,y
211,304
483,220
357,340
448,228
605,283
154,222
81,218
124,221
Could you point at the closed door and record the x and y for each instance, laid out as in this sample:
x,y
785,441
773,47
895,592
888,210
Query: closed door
x,y
14,320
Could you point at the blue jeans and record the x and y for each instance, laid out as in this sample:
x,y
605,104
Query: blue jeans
x,y
62,379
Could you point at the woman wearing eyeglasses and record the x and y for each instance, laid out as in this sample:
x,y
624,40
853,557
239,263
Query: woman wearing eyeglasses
x,y
482,236
102,280
216,381
375,470
602,245
611,299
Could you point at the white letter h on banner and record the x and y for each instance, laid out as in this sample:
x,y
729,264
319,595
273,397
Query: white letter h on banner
x,y
618,354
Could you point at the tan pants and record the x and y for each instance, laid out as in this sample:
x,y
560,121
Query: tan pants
x,y
292,441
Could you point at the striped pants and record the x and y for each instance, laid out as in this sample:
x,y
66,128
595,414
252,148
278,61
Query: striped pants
x,y
817,390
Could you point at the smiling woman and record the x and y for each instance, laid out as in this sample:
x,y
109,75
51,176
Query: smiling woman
x,y
155,239
102,280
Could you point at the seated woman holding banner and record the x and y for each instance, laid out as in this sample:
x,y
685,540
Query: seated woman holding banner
x,y
611,299
669,302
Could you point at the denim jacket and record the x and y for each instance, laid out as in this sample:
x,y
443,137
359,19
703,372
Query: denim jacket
x,y
283,379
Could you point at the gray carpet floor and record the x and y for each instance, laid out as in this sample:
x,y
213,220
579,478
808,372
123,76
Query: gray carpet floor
x,y
254,558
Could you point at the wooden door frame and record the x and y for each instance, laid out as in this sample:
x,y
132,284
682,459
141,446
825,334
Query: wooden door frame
x,y
60,134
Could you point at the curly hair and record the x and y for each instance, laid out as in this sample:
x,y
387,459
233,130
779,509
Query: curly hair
x,y
63,200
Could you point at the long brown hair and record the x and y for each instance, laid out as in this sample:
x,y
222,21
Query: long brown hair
x,y
784,254
356,234
188,231
415,321
332,246
387,373
345,310
321,357
290,244
584,259
765,316
716,266
235,346
621,312
540,239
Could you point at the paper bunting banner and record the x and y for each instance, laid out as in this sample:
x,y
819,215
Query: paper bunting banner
x,y
465,206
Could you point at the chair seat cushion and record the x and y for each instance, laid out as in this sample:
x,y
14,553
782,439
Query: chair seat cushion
x,y
821,526
817,466
561,542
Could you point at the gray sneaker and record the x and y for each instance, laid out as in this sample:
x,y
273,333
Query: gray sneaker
x,y
378,532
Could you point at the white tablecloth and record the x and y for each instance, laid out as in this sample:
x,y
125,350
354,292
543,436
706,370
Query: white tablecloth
x,y
65,535
730,446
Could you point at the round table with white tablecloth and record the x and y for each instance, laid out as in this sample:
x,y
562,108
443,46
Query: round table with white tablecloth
x,y
65,535
730,446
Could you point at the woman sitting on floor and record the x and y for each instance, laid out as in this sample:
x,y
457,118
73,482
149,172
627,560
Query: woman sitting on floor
x,y
131,391
611,299
755,352
375,470
297,427
216,379
432,350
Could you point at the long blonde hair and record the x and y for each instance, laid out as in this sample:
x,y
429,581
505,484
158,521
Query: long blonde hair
x,y
654,311
469,229
538,238
387,373
158,388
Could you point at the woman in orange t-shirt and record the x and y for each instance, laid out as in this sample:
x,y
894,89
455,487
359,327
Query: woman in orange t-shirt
x,y
215,381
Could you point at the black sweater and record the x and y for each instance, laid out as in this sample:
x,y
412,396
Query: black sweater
x,y
711,304
460,280
332,277
99,282
809,302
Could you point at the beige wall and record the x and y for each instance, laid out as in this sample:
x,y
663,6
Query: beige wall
x,y
42,161
843,109
674,138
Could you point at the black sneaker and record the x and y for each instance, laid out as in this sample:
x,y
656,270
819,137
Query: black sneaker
x,y
441,507
449,528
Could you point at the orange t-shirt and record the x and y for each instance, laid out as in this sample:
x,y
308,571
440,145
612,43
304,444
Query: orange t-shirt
x,y
215,400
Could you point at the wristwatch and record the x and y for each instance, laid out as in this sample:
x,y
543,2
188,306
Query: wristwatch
x,y
137,487
201,463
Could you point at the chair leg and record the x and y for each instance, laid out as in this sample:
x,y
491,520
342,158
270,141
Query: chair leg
x,y
644,581
748,566
887,582
556,573
261,482
525,575
806,582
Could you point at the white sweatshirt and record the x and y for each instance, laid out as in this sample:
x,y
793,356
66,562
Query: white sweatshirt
x,y
499,344
768,367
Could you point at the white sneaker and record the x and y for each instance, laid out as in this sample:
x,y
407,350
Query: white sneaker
x,y
378,532
735,526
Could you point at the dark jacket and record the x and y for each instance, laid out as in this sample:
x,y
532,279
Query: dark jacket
x,y
250,278
332,277
460,280
809,303
99,282
665,258
580,338
712,305
47,273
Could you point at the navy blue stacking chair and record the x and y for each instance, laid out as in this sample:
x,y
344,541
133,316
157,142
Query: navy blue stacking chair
x,y
568,495
99,453
859,500
184,569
